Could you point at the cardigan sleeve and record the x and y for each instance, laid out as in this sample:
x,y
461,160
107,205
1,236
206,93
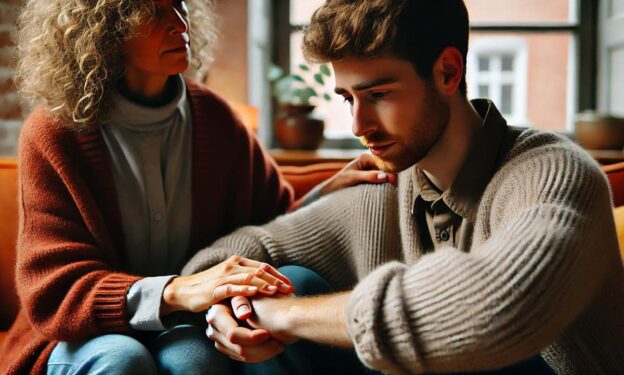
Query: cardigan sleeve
x,y
549,247
65,280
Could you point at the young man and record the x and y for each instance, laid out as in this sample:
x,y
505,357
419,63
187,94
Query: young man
x,y
497,244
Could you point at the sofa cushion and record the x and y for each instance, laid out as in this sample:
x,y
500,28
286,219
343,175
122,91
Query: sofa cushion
x,y
615,172
618,213
8,234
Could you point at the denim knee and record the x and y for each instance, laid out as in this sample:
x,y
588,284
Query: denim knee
x,y
185,349
305,281
107,354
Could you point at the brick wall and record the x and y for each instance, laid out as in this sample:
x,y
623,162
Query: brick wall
x,y
11,112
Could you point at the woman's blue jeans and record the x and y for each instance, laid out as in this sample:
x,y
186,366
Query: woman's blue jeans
x,y
185,349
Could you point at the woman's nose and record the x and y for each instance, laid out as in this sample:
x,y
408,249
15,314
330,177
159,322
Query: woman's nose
x,y
178,23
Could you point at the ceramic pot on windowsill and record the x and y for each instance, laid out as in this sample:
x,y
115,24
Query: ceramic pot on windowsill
x,y
599,132
297,129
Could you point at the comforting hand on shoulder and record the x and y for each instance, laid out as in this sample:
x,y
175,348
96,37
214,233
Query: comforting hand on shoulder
x,y
361,170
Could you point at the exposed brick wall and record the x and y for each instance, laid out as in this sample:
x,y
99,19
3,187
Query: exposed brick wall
x,y
11,111
228,74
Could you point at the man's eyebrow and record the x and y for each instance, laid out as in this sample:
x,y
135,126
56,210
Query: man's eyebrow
x,y
366,85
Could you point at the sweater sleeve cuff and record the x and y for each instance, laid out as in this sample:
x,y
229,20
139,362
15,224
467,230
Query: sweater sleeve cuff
x,y
143,303
363,314
110,302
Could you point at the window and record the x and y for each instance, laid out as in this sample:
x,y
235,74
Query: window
x,y
535,59
335,113
496,69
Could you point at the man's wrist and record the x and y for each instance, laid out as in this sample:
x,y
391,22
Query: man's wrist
x,y
292,318
320,318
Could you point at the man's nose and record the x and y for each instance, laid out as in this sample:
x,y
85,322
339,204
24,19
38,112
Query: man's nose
x,y
364,120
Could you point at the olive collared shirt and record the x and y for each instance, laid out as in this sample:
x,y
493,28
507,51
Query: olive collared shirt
x,y
448,217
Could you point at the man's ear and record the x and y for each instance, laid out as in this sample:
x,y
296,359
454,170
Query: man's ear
x,y
448,71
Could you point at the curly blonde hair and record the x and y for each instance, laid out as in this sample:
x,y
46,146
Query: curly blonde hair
x,y
70,52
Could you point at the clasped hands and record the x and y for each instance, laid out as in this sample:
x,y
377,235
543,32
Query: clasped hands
x,y
223,289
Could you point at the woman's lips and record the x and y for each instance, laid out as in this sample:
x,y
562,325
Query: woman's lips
x,y
379,150
177,50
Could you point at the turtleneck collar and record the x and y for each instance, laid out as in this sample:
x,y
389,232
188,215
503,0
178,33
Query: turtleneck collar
x,y
128,114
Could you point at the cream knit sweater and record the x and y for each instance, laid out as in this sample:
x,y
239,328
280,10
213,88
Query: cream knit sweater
x,y
543,273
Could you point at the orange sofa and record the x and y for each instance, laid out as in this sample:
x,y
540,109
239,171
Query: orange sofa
x,y
302,178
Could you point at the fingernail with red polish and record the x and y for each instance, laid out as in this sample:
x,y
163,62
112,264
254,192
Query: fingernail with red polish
x,y
243,309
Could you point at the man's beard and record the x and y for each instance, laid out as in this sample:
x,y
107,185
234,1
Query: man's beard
x,y
426,133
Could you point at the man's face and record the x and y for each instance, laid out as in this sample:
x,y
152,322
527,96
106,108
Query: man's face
x,y
162,45
397,115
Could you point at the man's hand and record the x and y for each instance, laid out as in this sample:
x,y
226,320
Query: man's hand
x,y
239,343
272,315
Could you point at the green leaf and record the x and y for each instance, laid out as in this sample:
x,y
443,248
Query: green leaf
x,y
304,67
327,97
325,70
310,91
306,94
319,78
298,78
275,72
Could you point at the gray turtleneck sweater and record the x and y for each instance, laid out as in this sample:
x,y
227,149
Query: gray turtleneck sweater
x,y
150,151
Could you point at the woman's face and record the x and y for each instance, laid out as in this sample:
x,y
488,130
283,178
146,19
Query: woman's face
x,y
162,46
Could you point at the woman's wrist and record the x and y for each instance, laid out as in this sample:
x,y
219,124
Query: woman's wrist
x,y
170,302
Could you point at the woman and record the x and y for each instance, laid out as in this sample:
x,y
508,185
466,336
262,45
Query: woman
x,y
127,170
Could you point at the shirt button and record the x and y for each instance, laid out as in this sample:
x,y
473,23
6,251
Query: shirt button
x,y
158,217
444,235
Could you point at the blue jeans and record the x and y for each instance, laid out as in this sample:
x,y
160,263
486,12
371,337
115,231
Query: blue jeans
x,y
185,349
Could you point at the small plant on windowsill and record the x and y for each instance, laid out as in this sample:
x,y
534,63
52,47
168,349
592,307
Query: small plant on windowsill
x,y
297,96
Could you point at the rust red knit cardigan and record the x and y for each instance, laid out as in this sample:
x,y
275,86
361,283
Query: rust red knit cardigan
x,y
71,262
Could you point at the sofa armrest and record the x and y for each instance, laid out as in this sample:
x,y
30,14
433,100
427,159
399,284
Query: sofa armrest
x,y
304,178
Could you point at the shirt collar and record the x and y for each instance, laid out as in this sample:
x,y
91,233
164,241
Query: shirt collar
x,y
465,192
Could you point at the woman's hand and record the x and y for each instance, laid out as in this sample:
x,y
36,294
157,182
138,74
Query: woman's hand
x,y
361,170
236,276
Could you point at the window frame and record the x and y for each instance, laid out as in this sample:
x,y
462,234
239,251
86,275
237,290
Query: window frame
x,y
584,30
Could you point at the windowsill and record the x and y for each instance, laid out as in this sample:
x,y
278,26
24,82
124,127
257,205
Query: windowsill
x,y
322,155
326,155
606,157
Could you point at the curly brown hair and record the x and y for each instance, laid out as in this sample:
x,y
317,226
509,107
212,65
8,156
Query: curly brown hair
x,y
70,52
414,30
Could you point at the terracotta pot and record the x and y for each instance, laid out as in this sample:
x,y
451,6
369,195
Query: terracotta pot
x,y
296,129
599,132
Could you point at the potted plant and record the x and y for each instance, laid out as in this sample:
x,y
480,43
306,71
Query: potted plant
x,y
297,96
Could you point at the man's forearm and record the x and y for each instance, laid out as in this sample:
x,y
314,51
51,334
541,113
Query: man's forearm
x,y
321,319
